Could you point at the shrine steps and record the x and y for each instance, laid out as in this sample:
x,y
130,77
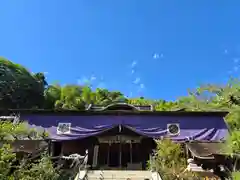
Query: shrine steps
x,y
119,175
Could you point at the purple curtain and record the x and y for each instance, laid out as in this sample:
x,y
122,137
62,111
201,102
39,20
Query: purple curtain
x,y
206,128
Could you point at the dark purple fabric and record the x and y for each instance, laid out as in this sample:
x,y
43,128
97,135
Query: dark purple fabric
x,y
191,128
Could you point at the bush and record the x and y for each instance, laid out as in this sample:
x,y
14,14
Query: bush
x,y
236,175
41,169
169,161
12,168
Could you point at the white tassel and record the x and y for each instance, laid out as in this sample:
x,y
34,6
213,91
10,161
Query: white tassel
x,y
120,128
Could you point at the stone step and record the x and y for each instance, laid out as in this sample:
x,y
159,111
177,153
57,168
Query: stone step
x,y
118,178
113,178
119,174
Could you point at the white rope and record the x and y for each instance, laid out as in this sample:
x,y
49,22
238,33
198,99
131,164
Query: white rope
x,y
76,162
77,159
14,118
73,156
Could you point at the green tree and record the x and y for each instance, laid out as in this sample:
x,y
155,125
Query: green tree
x,y
51,94
105,97
219,98
13,168
20,88
70,98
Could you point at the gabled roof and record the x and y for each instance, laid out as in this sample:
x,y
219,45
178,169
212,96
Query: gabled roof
x,y
206,150
119,106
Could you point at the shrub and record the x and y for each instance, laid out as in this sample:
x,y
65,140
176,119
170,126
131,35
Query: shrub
x,y
12,168
169,161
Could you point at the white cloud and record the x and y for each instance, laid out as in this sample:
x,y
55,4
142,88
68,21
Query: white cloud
x,y
142,86
86,80
236,60
93,78
155,56
137,80
83,80
133,71
45,73
134,63
235,68
225,51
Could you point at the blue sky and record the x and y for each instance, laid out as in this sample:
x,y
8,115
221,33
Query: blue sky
x,y
156,49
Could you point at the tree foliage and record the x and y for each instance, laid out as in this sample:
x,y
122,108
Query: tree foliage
x,y
18,86
13,167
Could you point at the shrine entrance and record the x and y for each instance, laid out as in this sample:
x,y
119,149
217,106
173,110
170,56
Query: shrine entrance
x,y
121,148
120,154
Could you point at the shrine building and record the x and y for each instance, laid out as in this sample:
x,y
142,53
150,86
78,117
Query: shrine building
x,y
122,136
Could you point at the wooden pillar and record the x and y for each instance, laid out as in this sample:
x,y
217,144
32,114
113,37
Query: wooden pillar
x,y
120,154
186,153
95,156
131,152
108,155
50,148
62,148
